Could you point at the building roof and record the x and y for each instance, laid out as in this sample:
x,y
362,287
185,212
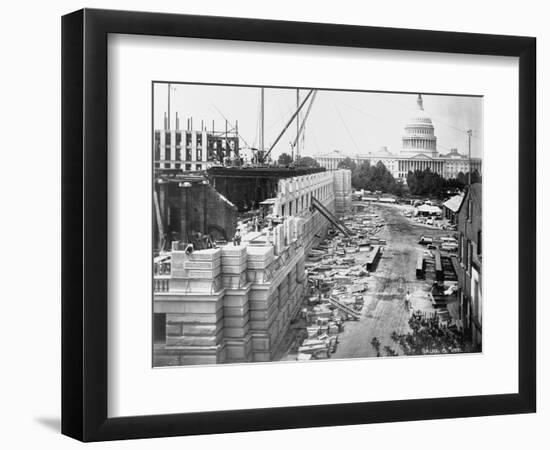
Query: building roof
x,y
382,151
420,119
333,154
453,154
454,203
474,193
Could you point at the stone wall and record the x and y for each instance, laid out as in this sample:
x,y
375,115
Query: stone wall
x,y
235,303
231,304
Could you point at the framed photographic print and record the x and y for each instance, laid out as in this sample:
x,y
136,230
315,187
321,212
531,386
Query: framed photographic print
x,y
273,224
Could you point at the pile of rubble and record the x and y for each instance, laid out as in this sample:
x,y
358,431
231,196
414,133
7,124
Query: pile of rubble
x,y
337,270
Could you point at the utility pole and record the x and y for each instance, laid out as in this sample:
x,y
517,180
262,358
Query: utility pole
x,y
236,150
262,120
469,132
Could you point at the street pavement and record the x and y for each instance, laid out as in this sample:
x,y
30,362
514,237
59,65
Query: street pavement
x,y
384,310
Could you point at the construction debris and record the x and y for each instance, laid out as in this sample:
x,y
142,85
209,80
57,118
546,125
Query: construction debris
x,y
337,269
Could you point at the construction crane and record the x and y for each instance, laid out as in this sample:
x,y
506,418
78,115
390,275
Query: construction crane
x,y
264,156
302,126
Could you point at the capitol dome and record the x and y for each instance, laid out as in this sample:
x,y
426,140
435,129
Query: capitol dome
x,y
419,137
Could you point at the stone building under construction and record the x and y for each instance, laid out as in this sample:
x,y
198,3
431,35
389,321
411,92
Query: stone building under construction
x,y
234,303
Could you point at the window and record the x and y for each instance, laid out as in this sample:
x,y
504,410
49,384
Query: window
x,y
157,145
199,154
177,156
199,166
188,167
188,145
168,138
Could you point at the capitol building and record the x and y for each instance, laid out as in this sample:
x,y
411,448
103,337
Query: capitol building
x,y
418,152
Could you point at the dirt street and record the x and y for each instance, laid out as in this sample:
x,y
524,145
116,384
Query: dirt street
x,y
384,311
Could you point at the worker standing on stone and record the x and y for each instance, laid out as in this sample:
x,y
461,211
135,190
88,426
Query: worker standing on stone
x,y
237,238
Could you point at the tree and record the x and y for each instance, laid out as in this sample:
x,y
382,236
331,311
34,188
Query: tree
x,y
462,178
476,177
426,182
307,161
347,163
284,159
399,189
374,178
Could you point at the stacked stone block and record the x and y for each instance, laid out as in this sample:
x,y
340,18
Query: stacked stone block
x,y
236,317
195,325
263,300
342,191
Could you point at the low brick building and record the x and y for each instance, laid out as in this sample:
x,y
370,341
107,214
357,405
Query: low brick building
x,y
469,228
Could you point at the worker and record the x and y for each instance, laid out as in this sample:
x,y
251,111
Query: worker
x,y
408,300
237,238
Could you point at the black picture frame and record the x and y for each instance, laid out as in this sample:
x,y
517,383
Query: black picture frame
x,y
84,224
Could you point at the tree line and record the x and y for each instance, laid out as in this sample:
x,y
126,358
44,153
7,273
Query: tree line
x,y
420,182
426,182
306,161
372,177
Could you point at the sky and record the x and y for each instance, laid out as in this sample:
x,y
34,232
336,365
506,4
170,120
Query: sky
x,y
352,122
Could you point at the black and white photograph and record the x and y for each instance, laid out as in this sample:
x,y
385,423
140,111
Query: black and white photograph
x,y
265,225
297,224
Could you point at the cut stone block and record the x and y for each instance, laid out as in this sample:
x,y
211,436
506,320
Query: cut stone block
x,y
173,329
188,303
235,301
235,311
236,333
261,341
234,269
233,251
260,294
201,264
208,285
194,341
196,318
261,356
180,258
202,329
235,322
202,273
260,254
238,350
234,281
